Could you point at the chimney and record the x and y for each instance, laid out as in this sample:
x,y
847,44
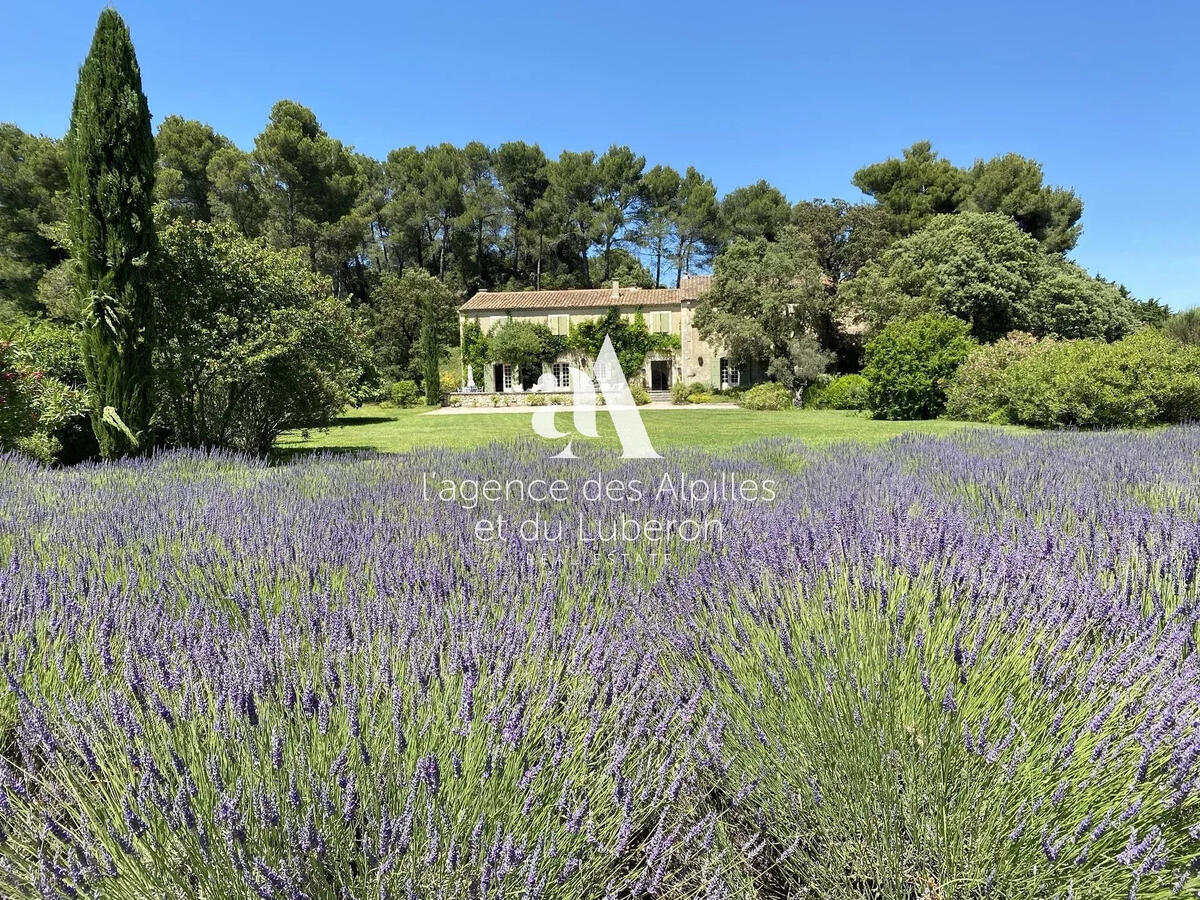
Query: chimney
x,y
616,290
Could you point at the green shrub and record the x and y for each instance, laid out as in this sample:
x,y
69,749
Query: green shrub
x,y
54,351
474,346
682,392
814,394
641,396
700,397
40,446
1145,379
978,392
846,392
1069,304
18,398
909,363
1051,389
37,410
729,393
405,393
769,395
250,343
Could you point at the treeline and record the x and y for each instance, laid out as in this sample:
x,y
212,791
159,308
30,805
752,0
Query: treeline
x,y
506,217
200,294
172,331
476,217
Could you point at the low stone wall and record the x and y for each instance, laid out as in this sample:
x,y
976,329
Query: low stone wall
x,y
528,398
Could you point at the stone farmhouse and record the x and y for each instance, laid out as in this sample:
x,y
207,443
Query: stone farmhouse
x,y
664,310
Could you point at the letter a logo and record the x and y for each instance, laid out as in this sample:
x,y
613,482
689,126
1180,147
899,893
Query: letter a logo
x,y
618,401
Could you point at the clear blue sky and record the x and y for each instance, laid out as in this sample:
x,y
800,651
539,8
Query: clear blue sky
x,y
1105,95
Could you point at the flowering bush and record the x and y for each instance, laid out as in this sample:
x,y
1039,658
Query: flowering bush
x,y
36,410
959,668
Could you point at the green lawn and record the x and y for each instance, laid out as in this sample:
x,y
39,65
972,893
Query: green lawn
x,y
396,430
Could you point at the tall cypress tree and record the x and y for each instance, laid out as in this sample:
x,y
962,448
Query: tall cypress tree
x,y
110,172
431,350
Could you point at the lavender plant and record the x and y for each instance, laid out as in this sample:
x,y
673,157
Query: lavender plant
x,y
936,669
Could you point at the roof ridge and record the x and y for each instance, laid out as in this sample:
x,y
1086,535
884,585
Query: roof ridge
x,y
595,297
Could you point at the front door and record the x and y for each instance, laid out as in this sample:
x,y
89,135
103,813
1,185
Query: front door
x,y
498,377
660,374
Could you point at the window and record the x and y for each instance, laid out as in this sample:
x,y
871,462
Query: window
x,y
508,377
562,374
559,324
660,322
730,375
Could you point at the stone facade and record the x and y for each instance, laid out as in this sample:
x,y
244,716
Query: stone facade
x,y
664,310
488,399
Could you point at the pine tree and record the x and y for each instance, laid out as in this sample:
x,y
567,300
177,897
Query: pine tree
x,y
110,171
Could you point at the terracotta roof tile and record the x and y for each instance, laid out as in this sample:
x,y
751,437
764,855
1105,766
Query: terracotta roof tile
x,y
595,298
693,287
598,298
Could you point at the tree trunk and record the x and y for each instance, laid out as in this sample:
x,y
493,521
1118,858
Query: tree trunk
x,y
479,251
291,218
517,249
442,251
585,269
381,238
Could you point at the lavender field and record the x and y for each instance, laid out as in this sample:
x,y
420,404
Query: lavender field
x,y
939,668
